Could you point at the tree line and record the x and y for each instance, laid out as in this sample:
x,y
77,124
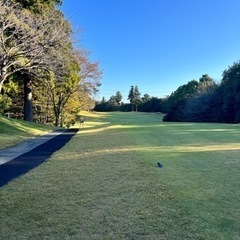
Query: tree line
x,y
43,77
202,100
144,103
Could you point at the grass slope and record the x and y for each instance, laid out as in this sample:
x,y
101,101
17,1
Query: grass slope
x,y
14,131
104,184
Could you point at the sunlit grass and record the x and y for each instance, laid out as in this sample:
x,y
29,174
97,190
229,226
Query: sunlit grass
x,y
14,131
92,114
105,183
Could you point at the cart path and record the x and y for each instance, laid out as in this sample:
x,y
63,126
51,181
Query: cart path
x,y
32,155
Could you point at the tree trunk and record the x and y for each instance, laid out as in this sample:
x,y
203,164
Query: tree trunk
x,y
1,86
28,112
57,116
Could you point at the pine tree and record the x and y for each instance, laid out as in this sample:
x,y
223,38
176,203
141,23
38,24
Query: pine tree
x,y
134,97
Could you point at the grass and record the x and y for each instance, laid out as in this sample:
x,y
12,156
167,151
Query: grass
x,y
14,131
104,184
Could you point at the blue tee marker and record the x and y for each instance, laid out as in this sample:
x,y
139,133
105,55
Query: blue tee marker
x,y
159,165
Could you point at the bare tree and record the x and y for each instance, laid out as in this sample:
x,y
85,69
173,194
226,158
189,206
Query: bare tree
x,y
90,73
29,42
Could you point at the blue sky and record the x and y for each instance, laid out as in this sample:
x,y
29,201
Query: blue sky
x,y
157,45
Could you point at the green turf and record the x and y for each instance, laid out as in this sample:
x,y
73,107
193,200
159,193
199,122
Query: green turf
x,y
14,131
105,184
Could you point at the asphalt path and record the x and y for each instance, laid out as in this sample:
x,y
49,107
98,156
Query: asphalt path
x,y
33,154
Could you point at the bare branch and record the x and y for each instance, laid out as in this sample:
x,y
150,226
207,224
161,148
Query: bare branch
x,y
30,41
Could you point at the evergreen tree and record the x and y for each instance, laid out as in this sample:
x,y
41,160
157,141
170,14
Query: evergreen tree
x,y
134,97
131,96
118,98
137,98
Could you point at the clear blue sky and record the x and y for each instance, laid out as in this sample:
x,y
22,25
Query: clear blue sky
x,y
157,45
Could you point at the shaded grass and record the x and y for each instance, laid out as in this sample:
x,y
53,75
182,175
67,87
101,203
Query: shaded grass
x,y
105,184
201,167
14,131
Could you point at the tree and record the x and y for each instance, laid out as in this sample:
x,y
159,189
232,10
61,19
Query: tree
x,y
118,98
177,100
194,101
42,103
10,93
90,72
134,97
86,102
101,106
131,96
112,101
201,108
62,87
80,81
70,111
137,98
150,104
38,6
206,84
146,97
29,42
230,91
103,101
28,94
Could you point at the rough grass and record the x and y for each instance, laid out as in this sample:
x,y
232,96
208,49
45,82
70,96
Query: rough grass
x,y
14,131
104,184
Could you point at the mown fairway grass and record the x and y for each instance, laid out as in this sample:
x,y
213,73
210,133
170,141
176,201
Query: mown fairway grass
x,y
105,183
14,131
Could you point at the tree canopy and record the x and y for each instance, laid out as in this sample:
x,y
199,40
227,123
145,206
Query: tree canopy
x,y
134,97
36,52
201,100
38,6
